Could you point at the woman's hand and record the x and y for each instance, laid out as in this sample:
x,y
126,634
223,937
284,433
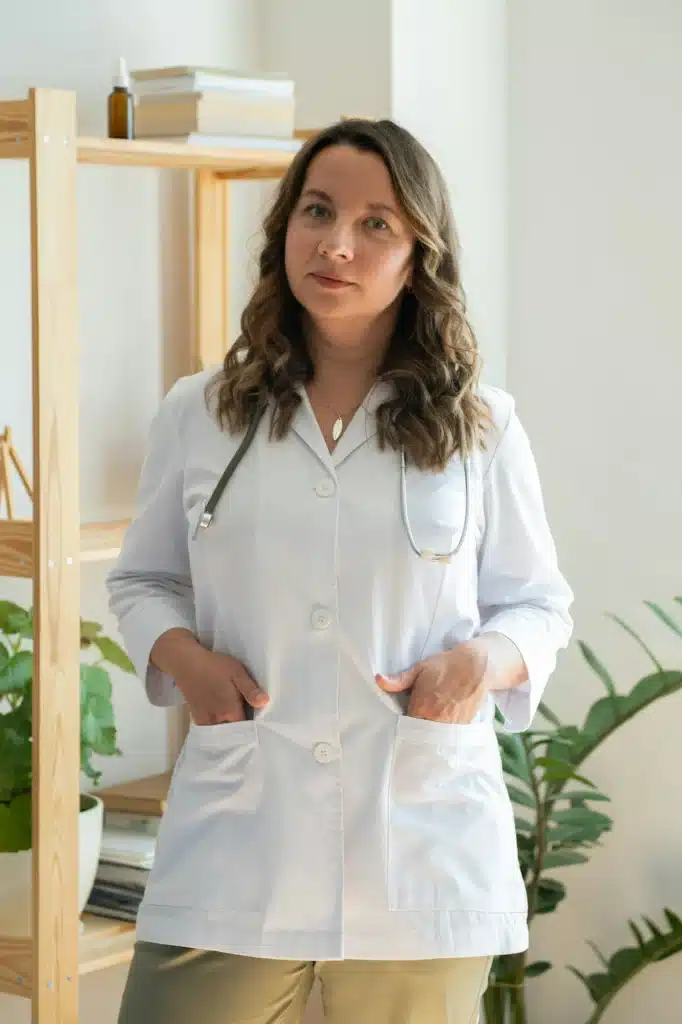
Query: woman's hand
x,y
215,686
451,686
448,687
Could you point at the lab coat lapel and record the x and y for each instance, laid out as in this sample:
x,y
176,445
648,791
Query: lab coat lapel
x,y
306,426
361,429
363,426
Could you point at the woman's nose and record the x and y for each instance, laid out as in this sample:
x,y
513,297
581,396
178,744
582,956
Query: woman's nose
x,y
337,243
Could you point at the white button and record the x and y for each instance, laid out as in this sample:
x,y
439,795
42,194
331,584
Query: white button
x,y
325,488
321,619
323,753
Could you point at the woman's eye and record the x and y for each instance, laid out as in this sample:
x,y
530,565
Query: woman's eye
x,y
377,224
317,211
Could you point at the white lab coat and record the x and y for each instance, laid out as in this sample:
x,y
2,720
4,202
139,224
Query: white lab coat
x,y
332,825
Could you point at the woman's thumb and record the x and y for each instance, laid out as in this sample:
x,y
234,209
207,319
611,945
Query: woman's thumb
x,y
399,682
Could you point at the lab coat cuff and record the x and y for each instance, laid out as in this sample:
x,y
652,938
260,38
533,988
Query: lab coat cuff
x,y
140,630
519,703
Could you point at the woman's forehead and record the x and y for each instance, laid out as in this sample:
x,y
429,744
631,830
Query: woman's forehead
x,y
344,173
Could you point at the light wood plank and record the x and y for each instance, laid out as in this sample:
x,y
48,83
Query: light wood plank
x,y
237,163
16,966
211,268
16,117
100,542
105,943
56,705
16,548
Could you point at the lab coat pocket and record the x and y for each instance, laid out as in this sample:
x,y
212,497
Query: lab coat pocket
x,y
451,837
209,847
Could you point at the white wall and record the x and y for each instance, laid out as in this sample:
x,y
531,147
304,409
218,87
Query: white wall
x,y
595,360
448,68
134,242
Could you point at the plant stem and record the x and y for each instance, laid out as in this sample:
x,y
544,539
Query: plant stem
x,y
540,837
494,1005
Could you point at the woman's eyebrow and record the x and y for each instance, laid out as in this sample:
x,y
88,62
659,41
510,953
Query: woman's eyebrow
x,y
319,193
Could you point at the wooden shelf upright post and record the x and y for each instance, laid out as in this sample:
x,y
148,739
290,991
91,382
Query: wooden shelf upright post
x,y
56,583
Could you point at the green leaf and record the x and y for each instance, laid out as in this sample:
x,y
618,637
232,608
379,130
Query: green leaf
x,y
645,692
557,770
15,824
4,656
523,825
664,617
16,674
89,630
90,729
106,746
534,970
637,638
14,619
563,858
547,713
550,895
597,666
521,796
95,681
113,653
514,757
626,963
581,816
582,794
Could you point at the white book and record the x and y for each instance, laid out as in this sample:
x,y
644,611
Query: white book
x,y
121,846
164,80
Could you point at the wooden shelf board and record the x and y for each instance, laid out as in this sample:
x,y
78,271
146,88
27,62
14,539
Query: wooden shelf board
x,y
230,163
99,542
104,943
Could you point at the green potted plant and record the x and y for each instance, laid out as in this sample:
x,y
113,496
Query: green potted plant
x,y
559,820
97,738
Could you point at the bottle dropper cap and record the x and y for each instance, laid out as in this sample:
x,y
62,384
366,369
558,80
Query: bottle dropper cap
x,y
122,79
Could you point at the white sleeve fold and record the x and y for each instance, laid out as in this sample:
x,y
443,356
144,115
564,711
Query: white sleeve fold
x,y
150,587
522,594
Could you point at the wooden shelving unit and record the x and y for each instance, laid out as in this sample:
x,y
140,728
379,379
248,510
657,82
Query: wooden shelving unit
x,y
51,547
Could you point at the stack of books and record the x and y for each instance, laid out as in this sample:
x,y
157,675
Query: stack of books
x,y
132,815
213,107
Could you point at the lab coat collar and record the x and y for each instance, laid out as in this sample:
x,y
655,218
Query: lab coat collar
x,y
359,431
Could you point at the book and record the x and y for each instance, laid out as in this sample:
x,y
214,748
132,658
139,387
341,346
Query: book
x,y
150,81
213,114
142,796
133,878
126,821
128,848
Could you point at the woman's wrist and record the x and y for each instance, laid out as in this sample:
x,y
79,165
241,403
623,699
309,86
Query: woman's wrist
x,y
505,666
175,653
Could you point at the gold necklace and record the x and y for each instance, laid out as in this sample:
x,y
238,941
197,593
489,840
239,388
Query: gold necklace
x,y
339,425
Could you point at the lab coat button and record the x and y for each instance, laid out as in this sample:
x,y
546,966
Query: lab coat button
x,y
323,753
325,488
321,619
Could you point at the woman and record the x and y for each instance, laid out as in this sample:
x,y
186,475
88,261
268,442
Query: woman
x,y
377,575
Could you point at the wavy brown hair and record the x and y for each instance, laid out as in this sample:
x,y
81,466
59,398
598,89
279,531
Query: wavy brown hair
x,y
432,360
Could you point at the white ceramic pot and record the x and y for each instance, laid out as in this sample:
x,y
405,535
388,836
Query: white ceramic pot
x,y
16,871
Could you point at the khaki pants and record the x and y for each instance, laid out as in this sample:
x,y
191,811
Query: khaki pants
x,y
174,985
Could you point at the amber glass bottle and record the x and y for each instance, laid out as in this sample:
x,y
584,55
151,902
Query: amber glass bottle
x,y
121,106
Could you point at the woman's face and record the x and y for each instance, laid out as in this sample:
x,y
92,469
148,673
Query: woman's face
x,y
348,245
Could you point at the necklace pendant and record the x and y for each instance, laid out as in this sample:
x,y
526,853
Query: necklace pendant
x,y
337,429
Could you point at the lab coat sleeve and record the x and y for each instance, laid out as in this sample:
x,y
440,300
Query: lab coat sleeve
x,y
521,592
150,587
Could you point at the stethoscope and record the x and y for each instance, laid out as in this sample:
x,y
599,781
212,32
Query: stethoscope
x,y
425,553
